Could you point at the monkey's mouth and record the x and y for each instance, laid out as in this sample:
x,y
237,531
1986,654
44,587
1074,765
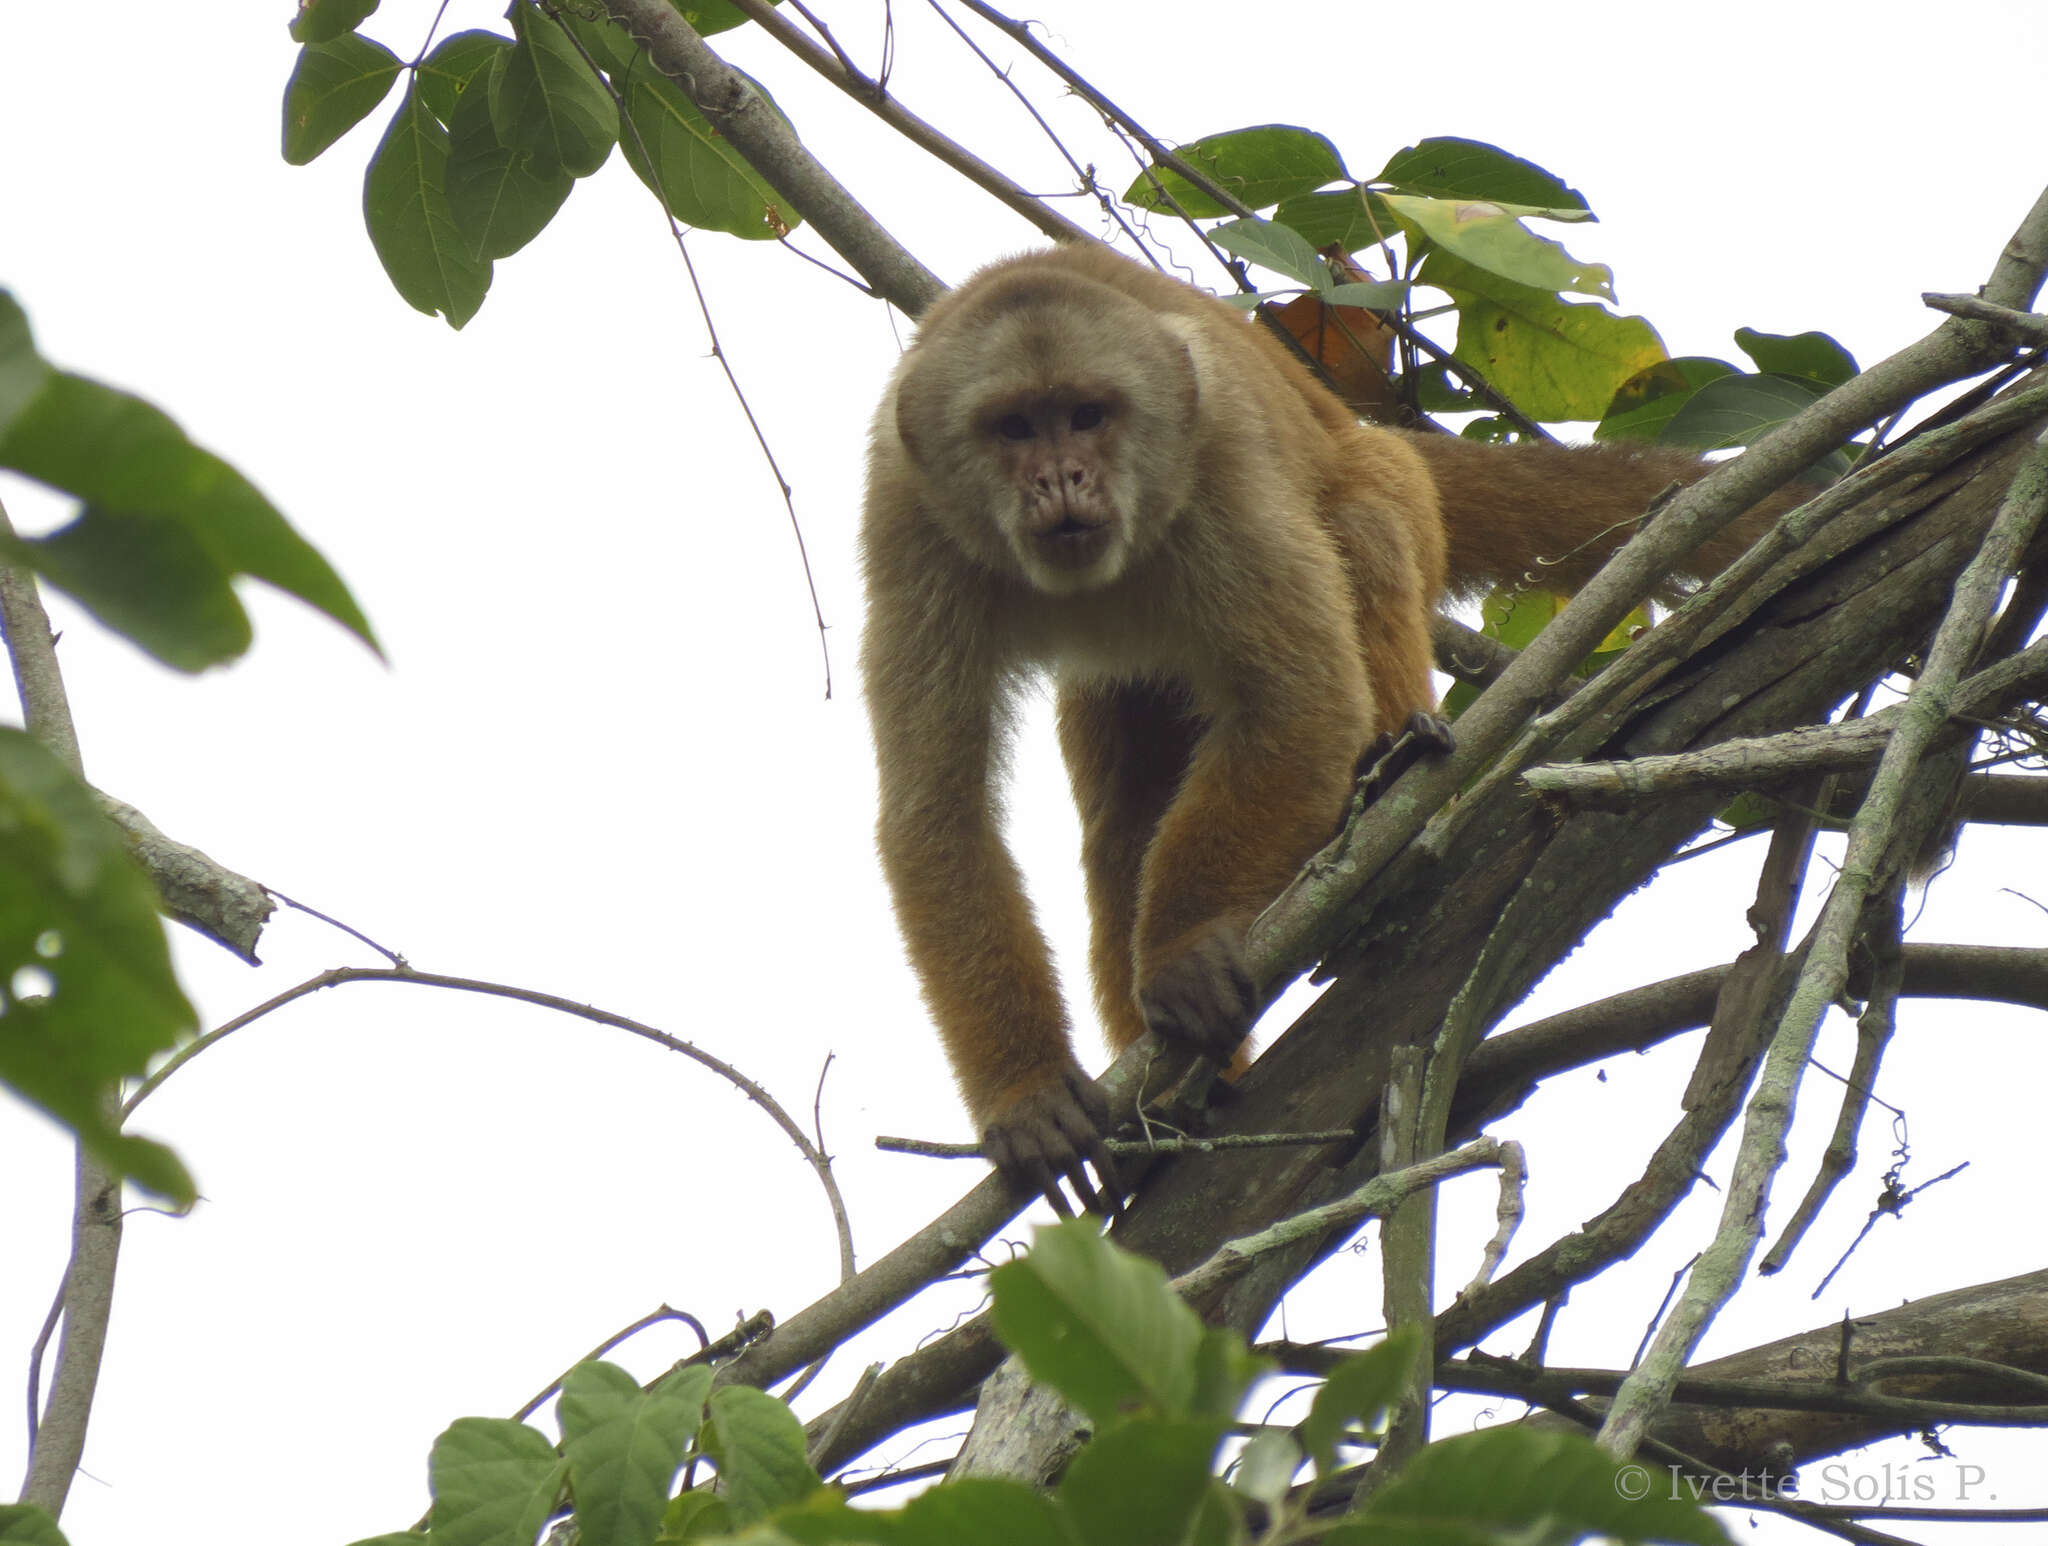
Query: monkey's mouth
x,y
1073,543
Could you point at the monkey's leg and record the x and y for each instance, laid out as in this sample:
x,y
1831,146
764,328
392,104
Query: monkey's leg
x,y
1127,747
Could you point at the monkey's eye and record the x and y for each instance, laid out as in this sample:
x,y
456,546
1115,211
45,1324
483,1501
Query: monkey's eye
x,y
1087,416
1014,426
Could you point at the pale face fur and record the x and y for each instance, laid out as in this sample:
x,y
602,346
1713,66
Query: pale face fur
x,y
1052,428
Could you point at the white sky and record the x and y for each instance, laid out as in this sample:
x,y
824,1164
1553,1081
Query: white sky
x,y
599,762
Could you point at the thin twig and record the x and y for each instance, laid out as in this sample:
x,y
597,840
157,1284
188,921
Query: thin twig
x,y
652,1318
1138,1148
338,976
732,380
837,68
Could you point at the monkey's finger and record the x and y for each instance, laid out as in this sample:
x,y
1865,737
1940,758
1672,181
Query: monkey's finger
x,y
1049,1188
1077,1178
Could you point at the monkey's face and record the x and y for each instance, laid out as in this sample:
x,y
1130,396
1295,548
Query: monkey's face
x,y
1054,444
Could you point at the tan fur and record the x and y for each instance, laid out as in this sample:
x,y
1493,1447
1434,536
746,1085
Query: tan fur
x,y
1237,602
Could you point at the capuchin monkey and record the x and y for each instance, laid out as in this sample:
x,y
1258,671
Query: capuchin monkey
x,y
1084,467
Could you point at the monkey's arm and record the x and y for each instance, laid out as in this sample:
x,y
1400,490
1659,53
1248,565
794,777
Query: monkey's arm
x,y
987,974
1264,790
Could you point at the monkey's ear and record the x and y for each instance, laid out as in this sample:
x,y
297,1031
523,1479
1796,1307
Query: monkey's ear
x,y
1185,372
925,396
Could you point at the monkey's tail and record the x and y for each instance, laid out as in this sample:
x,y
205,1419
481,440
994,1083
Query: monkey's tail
x,y
1551,515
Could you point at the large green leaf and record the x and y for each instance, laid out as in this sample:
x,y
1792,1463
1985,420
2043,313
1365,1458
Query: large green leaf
x,y
701,179
1350,218
166,525
625,1446
982,1509
1815,356
333,87
1738,410
1448,168
1258,167
494,1482
1551,360
1509,1484
1143,1482
1646,402
759,1446
24,1524
23,370
445,74
405,206
322,21
87,995
548,103
1098,1324
1492,237
499,197
709,16
1357,1390
1277,247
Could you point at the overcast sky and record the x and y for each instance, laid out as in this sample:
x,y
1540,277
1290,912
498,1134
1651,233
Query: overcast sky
x,y
600,762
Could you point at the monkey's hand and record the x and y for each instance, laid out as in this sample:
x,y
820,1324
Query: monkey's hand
x,y
1389,756
1204,997
1056,1132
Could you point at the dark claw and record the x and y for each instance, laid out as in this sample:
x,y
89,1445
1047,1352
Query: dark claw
x,y
1054,1134
1389,756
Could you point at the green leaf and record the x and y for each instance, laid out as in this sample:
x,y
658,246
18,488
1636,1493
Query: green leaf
x,y
759,1446
1224,1370
824,1519
1373,294
606,39
1450,168
23,371
499,198
405,206
153,498
1142,1482
549,103
494,1483
1738,410
1492,237
696,1515
333,87
1275,247
393,1538
151,580
1265,1470
1350,218
1505,1483
700,178
624,1447
446,73
87,995
709,16
987,1510
1813,356
24,1524
1550,359
1358,1390
1645,402
1258,167
322,21
1098,1324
